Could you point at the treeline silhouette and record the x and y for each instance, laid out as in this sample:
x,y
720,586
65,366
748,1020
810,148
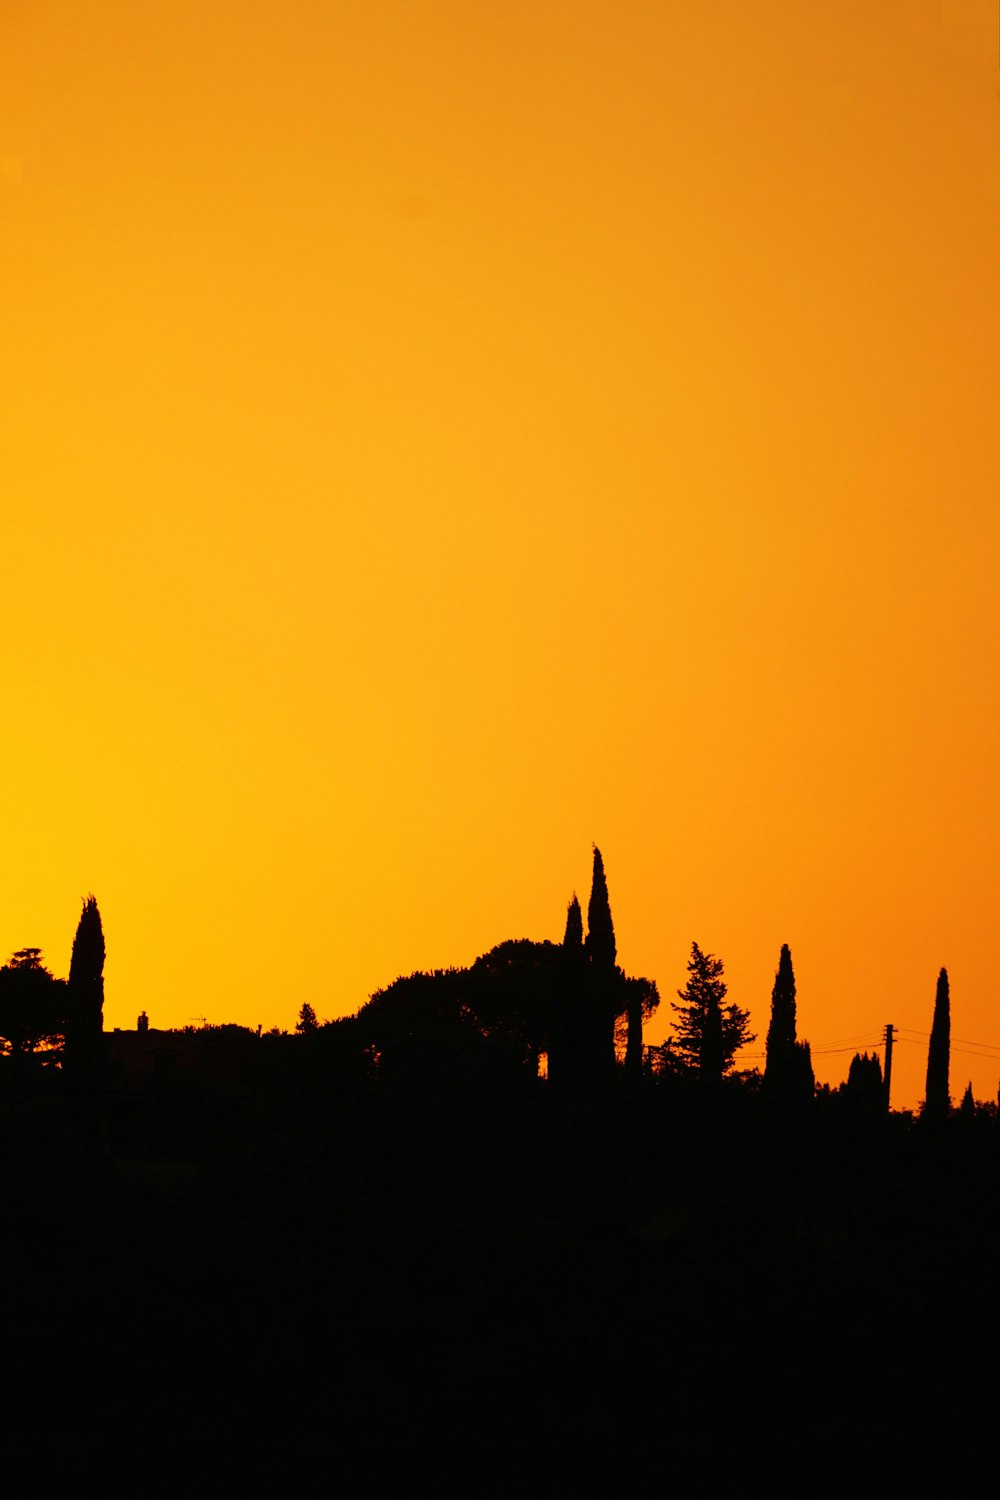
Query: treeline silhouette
x,y
562,1013
479,1221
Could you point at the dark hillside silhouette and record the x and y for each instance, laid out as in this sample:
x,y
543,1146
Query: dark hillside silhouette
x,y
476,1245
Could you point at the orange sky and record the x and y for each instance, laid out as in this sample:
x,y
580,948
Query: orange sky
x,y
436,436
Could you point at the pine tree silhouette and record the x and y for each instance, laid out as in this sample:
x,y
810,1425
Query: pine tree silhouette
x,y
601,948
708,1033
573,937
937,1102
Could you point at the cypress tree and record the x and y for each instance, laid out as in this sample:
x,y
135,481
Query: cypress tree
x,y
573,936
84,1020
85,996
788,1071
640,992
781,1031
86,966
590,1024
601,947
937,1101
803,1079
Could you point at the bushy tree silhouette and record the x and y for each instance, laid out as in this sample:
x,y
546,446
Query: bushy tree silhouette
x,y
707,1033
32,1007
937,1102
864,1077
864,1091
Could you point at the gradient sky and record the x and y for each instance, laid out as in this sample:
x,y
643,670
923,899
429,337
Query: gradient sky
x,y
436,436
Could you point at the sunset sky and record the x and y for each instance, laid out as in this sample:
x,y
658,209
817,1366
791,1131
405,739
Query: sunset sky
x,y
436,436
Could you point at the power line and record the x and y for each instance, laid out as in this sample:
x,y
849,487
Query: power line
x,y
850,1040
955,1042
829,1051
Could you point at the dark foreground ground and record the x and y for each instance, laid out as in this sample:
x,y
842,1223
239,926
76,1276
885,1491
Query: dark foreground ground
x,y
517,1292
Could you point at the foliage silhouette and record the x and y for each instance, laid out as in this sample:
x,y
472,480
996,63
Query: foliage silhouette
x,y
864,1076
517,1001
864,1090
423,1031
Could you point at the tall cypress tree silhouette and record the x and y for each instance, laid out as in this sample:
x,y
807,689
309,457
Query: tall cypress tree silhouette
x,y
573,936
788,1072
937,1102
781,1031
565,1046
591,1022
601,947
86,990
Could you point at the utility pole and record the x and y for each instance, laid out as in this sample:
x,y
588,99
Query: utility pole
x,y
889,1029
